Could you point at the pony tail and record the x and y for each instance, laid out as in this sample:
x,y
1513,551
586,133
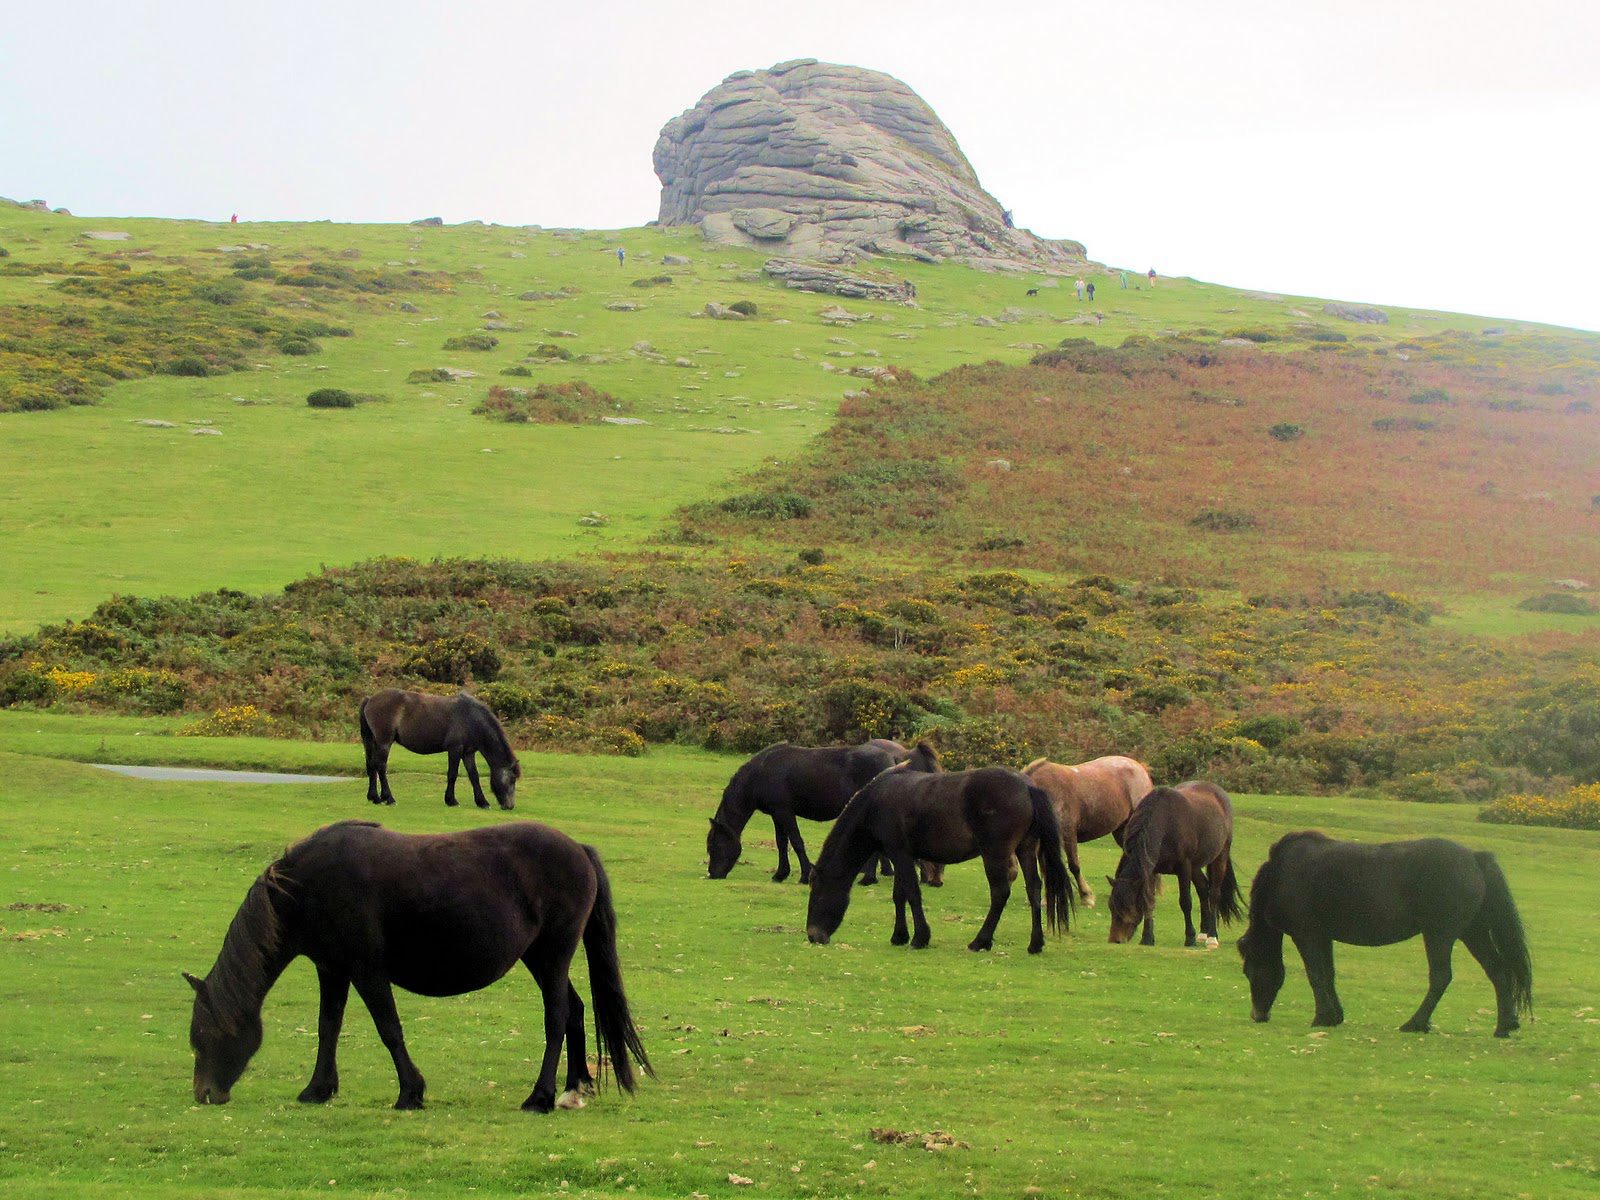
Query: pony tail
x,y
1058,897
367,736
1228,905
1499,918
614,1033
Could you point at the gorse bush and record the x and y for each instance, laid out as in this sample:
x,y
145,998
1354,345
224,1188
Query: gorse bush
x,y
472,341
454,658
1349,690
1577,809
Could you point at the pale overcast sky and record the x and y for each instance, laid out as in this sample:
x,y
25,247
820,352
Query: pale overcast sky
x,y
1439,153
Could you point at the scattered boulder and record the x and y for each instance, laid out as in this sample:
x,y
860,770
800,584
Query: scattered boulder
x,y
562,295
1361,314
153,423
832,163
106,235
624,306
721,312
675,260
813,277
429,221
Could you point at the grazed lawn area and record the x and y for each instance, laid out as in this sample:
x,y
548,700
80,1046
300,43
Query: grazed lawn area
x,y
1093,1070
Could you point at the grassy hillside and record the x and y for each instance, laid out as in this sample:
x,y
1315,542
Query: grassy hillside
x,y
1089,1071
93,503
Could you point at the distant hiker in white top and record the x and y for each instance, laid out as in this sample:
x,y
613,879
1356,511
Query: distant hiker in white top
x,y
1080,289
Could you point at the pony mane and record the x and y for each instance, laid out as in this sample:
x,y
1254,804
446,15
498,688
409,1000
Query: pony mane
x,y
1038,762
847,827
1139,838
483,716
241,973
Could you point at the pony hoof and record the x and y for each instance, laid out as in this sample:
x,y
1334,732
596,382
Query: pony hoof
x,y
450,802
1212,943
570,1099
864,882
538,1104
1088,901
979,947
1035,949
408,1102
1415,1027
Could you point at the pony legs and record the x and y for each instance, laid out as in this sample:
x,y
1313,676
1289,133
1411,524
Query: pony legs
x,y
378,996
1069,844
907,892
450,778
579,1082
378,774
1317,954
787,828
998,870
1029,861
1482,947
1187,905
470,760
324,1083
1439,947
555,985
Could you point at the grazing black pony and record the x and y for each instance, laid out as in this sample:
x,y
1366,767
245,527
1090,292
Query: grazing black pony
x,y
786,782
1320,891
439,915
1185,831
424,724
908,815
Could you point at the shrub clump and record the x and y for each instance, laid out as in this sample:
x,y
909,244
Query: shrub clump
x,y
297,347
1558,602
455,658
189,365
472,341
1287,431
1222,520
331,398
571,403
1577,809
653,281
768,506
744,307
430,375
237,720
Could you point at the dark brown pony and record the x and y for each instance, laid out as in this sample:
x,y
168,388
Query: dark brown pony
x,y
1320,891
439,915
1185,831
1091,799
993,813
785,782
459,725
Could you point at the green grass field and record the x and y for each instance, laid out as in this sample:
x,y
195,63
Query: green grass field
x,y
91,503
1093,1070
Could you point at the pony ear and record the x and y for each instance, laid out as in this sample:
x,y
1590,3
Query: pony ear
x,y
1111,881
199,986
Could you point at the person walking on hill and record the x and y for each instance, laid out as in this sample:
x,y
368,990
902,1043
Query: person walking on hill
x,y
622,256
1152,277
1080,289
1091,291
1123,275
